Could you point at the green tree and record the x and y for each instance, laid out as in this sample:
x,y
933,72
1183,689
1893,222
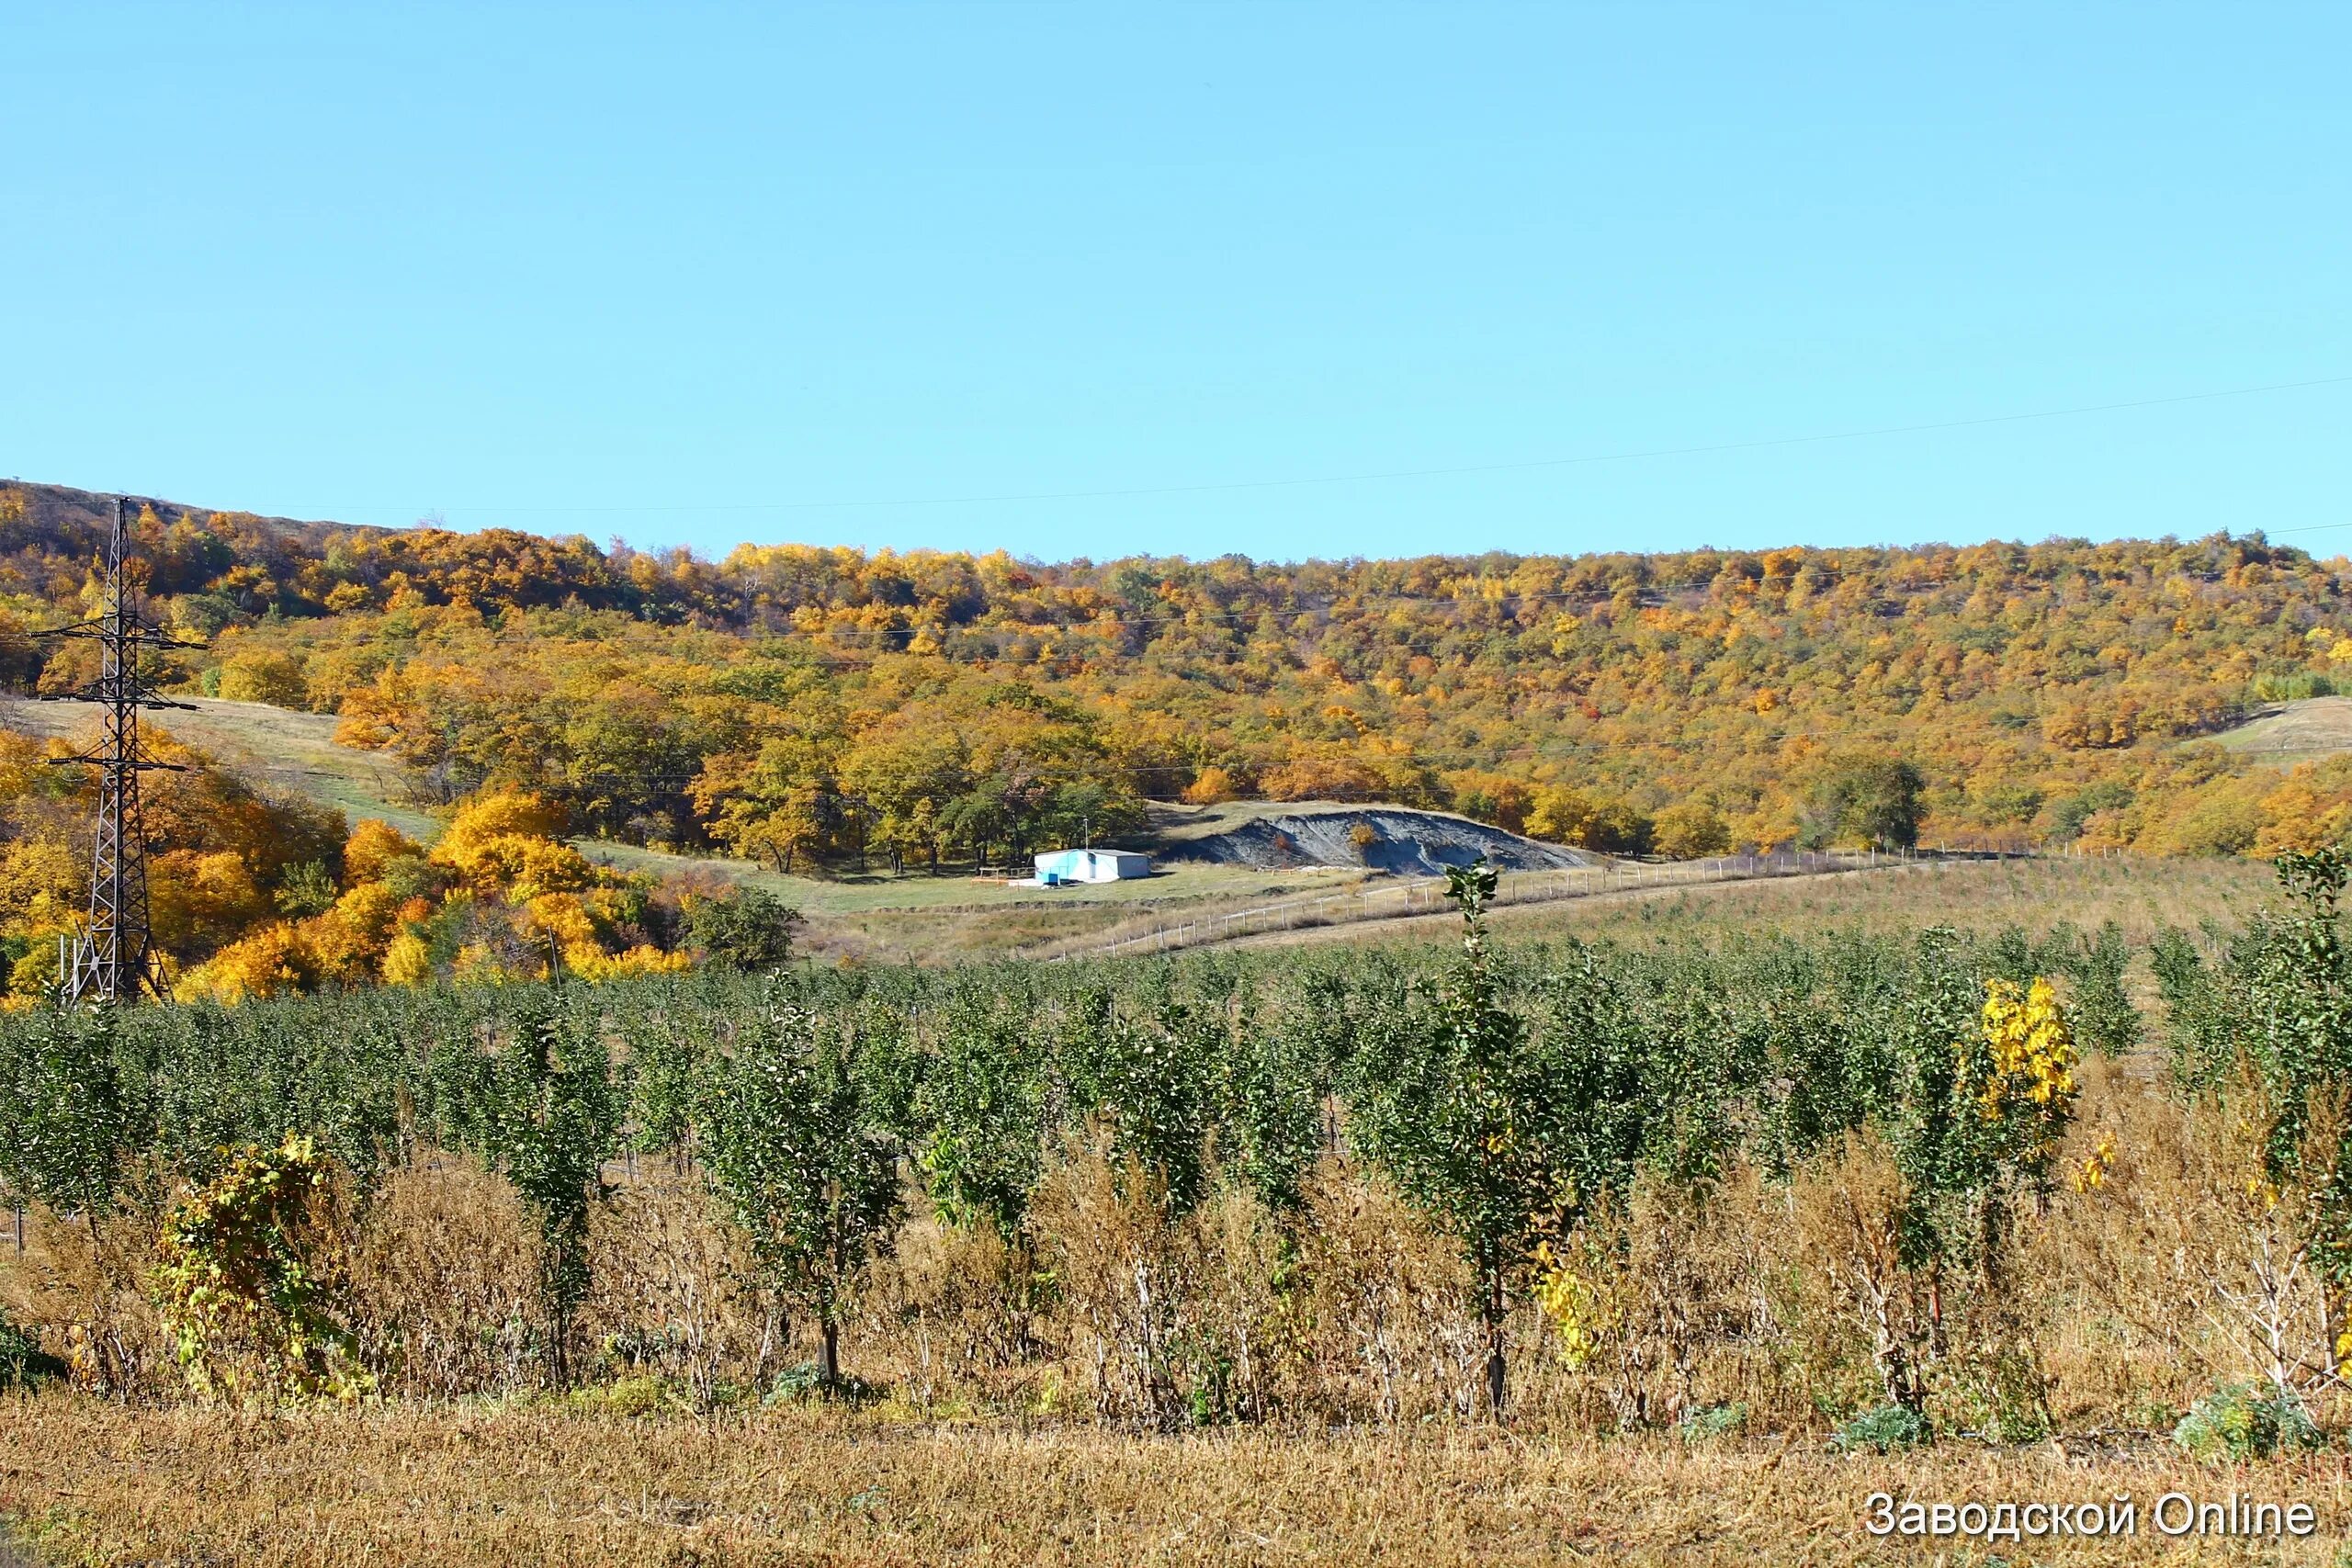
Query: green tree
x,y
1863,799
981,1110
749,929
795,1151
2277,1019
1461,1107
2103,1012
65,1117
544,1109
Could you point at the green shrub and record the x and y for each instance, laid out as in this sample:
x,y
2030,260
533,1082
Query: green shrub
x,y
2244,1421
1709,1421
1888,1429
750,928
23,1363
804,1379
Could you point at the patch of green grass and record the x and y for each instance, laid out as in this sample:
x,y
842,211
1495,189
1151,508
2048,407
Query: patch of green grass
x,y
1890,1429
285,753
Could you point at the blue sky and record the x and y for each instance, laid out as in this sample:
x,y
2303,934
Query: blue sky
x,y
695,275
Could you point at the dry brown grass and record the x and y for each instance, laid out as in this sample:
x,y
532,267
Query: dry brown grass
x,y
2140,895
443,1284
1043,1400
1770,1295
80,1287
451,1486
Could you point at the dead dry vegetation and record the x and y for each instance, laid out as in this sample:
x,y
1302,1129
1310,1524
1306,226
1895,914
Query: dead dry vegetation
x,y
1223,1386
456,1486
2141,897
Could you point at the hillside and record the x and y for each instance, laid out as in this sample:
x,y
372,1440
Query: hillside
x,y
287,754
792,705
1208,858
68,516
2295,731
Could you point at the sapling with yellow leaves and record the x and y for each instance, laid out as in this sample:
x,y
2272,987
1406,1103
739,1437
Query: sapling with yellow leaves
x,y
1471,1114
243,1293
1981,1097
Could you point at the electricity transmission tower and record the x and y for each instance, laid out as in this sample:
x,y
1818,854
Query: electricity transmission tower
x,y
114,954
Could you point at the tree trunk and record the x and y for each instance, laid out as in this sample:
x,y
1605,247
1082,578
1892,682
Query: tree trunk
x,y
559,1331
1494,1316
829,1366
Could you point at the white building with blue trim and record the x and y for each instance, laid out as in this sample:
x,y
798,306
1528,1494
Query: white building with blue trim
x,y
1063,866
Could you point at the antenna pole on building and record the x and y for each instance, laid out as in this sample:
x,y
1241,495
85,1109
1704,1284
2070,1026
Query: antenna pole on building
x,y
114,954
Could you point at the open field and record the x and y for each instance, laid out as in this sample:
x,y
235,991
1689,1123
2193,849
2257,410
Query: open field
x,y
287,752
2141,896
2294,732
531,1483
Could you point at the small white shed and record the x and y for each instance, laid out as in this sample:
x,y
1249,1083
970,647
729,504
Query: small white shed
x,y
1092,866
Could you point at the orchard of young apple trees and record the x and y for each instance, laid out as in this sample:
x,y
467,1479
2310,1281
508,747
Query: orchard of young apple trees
x,y
1885,1182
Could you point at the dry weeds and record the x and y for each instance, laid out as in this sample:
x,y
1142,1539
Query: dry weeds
x,y
451,1486
1124,1384
2141,895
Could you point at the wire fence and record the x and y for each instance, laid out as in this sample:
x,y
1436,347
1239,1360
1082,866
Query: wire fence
x,y
1426,895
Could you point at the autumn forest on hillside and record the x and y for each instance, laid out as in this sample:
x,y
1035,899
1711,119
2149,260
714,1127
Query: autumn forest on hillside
x,y
828,711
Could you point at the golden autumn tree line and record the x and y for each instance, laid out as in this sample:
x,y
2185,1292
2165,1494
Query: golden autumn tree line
x,y
815,707
258,896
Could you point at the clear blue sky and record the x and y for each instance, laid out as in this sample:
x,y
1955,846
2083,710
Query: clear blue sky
x,y
608,271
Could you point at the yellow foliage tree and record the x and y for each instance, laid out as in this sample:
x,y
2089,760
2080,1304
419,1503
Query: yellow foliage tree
x,y
1690,830
373,845
505,842
264,675
1212,786
408,961
271,961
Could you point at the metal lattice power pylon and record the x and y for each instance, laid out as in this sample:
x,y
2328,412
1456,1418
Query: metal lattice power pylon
x,y
114,953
